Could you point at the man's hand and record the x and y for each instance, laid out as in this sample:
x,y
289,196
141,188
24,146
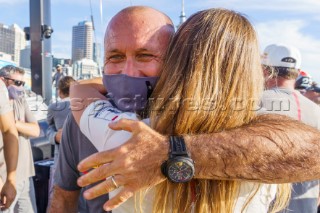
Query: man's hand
x,y
57,137
135,165
8,193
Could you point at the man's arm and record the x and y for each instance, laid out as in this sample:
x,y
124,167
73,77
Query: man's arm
x,y
272,149
66,174
30,129
30,126
64,201
10,146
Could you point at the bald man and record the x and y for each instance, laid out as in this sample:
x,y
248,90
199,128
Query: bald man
x,y
135,41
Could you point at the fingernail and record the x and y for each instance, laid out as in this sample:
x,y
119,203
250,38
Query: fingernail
x,y
112,123
79,181
86,194
106,208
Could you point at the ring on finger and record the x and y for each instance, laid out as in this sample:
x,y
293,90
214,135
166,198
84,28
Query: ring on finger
x,y
114,182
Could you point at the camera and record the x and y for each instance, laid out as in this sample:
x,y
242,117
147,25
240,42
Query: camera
x,y
46,31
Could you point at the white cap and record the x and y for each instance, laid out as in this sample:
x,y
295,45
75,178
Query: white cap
x,y
280,55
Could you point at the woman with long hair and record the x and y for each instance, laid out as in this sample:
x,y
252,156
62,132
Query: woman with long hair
x,y
211,81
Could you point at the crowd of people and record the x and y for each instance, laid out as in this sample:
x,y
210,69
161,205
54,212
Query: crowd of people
x,y
190,121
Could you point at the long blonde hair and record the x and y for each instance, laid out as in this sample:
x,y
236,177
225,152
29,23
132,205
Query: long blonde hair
x,y
211,81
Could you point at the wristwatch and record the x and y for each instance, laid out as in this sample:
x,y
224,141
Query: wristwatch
x,y
179,168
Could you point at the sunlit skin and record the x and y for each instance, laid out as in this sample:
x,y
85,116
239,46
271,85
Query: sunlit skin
x,y
137,55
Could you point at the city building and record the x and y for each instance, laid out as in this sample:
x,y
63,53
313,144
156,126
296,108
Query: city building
x,y
82,41
12,41
61,61
25,60
85,69
6,57
97,53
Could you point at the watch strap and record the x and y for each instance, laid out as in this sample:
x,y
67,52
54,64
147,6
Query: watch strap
x,y
178,147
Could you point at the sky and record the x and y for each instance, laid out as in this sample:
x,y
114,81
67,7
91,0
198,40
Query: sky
x,y
292,22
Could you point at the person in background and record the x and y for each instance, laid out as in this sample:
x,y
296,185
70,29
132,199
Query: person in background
x,y
8,150
281,64
308,87
27,127
303,81
57,114
313,93
56,78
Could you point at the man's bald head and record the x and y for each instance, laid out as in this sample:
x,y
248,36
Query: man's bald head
x,y
140,18
136,40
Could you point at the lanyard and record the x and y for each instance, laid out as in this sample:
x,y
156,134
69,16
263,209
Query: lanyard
x,y
298,105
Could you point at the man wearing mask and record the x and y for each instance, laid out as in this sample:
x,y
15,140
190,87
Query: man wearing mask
x,y
27,127
129,57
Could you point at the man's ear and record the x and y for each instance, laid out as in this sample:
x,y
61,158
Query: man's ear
x,y
60,94
2,78
269,72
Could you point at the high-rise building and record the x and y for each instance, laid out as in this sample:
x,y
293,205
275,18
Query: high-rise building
x,y
12,41
82,41
97,53
25,57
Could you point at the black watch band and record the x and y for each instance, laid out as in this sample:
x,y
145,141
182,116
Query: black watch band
x,y
177,147
179,168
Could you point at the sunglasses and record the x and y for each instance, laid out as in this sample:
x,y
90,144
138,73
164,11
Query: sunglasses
x,y
16,82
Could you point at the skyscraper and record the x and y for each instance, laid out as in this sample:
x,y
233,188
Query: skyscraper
x,y
82,41
12,41
97,52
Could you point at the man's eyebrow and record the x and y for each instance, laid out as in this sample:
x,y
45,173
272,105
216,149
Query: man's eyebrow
x,y
142,49
113,51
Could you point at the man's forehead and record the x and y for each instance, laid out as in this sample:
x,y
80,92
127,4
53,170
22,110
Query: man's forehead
x,y
137,40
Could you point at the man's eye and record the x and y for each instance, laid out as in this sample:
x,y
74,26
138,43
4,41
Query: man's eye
x,y
145,57
115,58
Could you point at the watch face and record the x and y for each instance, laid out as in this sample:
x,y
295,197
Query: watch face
x,y
180,170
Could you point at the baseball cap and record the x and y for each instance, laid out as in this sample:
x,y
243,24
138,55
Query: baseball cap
x,y
58,65
314,88
281,55
303,81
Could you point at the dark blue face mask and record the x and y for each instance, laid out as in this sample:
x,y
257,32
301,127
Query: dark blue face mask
x,y
128,93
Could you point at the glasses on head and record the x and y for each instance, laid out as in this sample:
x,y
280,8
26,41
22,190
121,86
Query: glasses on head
x,y
16,82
